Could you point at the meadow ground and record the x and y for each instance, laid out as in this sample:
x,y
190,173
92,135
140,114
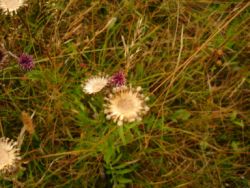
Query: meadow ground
x,y
191,58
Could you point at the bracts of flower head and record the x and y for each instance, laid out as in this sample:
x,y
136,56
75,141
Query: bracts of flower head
x,y
10,150
125,104
10,155
11,6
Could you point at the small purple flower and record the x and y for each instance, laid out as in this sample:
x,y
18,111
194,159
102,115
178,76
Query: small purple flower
x,y
26,62
118,79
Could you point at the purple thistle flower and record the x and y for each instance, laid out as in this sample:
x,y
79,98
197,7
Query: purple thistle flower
x,y
26,62
118,79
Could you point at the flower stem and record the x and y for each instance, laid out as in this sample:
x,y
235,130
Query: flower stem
x,y
12,55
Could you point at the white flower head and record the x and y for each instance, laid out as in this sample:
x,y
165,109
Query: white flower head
x,y
11,5
95,84
9,155
125,104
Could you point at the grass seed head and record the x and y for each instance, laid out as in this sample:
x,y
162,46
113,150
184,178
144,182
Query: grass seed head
x,y
27,122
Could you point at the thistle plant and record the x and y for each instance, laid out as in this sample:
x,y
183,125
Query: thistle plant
x,y
10,155
123,104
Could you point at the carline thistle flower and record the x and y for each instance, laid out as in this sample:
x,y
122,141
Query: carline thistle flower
x,y
94,84
117,79
9,155
26,62
125,104
11,6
